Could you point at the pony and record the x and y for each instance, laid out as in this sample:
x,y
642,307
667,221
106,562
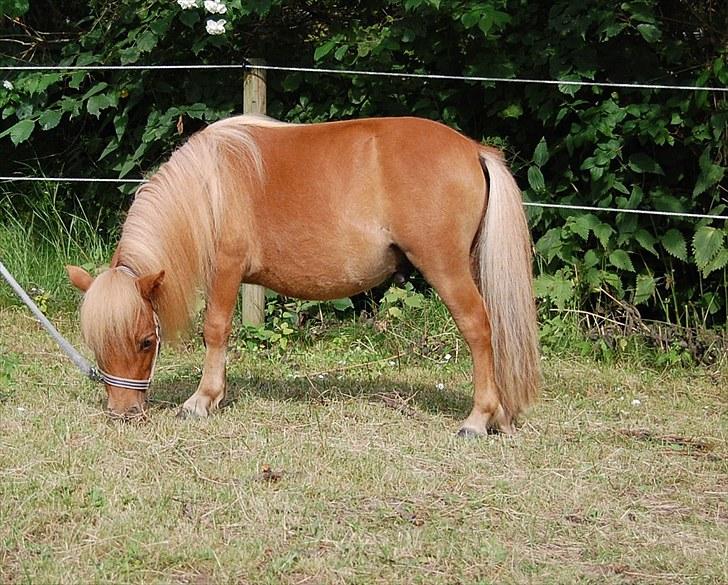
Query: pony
x,y
318,211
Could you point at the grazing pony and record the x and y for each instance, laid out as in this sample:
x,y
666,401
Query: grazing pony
x,y
318,211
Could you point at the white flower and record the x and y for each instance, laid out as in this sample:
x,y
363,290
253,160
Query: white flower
x,y
7,85
440,386
216,27
215,7
448,357
187,4
636,402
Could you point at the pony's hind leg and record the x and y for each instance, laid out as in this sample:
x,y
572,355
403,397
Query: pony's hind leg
x,y
218,322
455,285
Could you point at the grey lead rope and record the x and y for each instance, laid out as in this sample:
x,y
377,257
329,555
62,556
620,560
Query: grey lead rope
x,y
81,362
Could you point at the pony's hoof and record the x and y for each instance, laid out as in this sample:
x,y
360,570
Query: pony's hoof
x,y
184,414
507,430
466,433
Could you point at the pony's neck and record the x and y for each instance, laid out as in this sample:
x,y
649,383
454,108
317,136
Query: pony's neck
x,y
178,216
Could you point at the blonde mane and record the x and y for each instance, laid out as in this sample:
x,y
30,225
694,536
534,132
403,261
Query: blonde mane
x,y
173,225
110,312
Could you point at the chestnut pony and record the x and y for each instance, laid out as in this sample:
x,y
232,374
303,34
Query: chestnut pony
x,y
319,211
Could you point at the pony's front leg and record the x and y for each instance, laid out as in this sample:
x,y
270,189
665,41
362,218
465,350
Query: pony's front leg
x,y
218,323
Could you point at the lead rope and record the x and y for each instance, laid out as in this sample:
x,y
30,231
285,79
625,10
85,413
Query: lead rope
x,y
86,368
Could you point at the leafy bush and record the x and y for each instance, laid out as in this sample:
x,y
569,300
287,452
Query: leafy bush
x,y
583,145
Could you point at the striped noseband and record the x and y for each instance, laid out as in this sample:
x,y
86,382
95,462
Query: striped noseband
x,y
129,384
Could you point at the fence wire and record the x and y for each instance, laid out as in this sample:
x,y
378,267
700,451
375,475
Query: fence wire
x,y
246,64
525,203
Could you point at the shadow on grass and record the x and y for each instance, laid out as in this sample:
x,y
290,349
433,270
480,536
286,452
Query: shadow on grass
x,y
406,397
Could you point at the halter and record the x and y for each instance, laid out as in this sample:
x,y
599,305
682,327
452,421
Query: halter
x,y
129,384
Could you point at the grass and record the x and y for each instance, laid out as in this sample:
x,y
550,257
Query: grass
x,y
35,246
334,459
336,462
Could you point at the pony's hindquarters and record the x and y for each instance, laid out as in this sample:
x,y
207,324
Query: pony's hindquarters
x,y
505,262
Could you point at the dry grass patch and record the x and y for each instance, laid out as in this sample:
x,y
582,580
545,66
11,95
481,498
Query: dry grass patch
x,y
618,475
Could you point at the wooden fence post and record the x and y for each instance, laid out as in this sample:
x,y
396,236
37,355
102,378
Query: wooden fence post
x,y
254,102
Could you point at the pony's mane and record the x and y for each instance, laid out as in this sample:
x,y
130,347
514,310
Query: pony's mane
x,y
110,316
174,224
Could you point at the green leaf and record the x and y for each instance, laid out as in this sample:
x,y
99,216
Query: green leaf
x,y
620,259
71,106
511,111
554,287
541,153
583,224
189,18
588,163
646,240
292,82
21,131
536,180
129,55
591,259
41,83
415,300
127,167
612,279
718,262
486,23
635,198
146,41
50,119
110,147
642,163
340,52
550,244
649,32
644,288
98,88
667,202
76,79
707,242
710,173
120,123
96,103
395,312
323,50
470,19
603,232
342,304
674,242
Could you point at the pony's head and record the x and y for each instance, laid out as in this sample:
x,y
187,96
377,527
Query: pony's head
x,y
120,326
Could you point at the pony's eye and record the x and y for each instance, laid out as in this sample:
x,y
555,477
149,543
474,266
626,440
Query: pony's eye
x,y
146,345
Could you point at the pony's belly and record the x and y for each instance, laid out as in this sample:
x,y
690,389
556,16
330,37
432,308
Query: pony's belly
x,y
327,277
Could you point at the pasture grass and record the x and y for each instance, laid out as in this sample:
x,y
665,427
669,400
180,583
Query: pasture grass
x,y
36,245
336,461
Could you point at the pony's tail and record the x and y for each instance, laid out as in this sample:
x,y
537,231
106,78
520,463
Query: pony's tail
x,y
504,251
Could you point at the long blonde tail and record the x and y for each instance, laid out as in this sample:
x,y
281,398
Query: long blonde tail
x,y
504,249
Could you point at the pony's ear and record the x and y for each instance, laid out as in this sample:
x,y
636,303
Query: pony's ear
x,y
148,285
79,277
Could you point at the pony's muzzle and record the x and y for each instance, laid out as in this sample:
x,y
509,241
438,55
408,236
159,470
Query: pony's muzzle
x,y
125,404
